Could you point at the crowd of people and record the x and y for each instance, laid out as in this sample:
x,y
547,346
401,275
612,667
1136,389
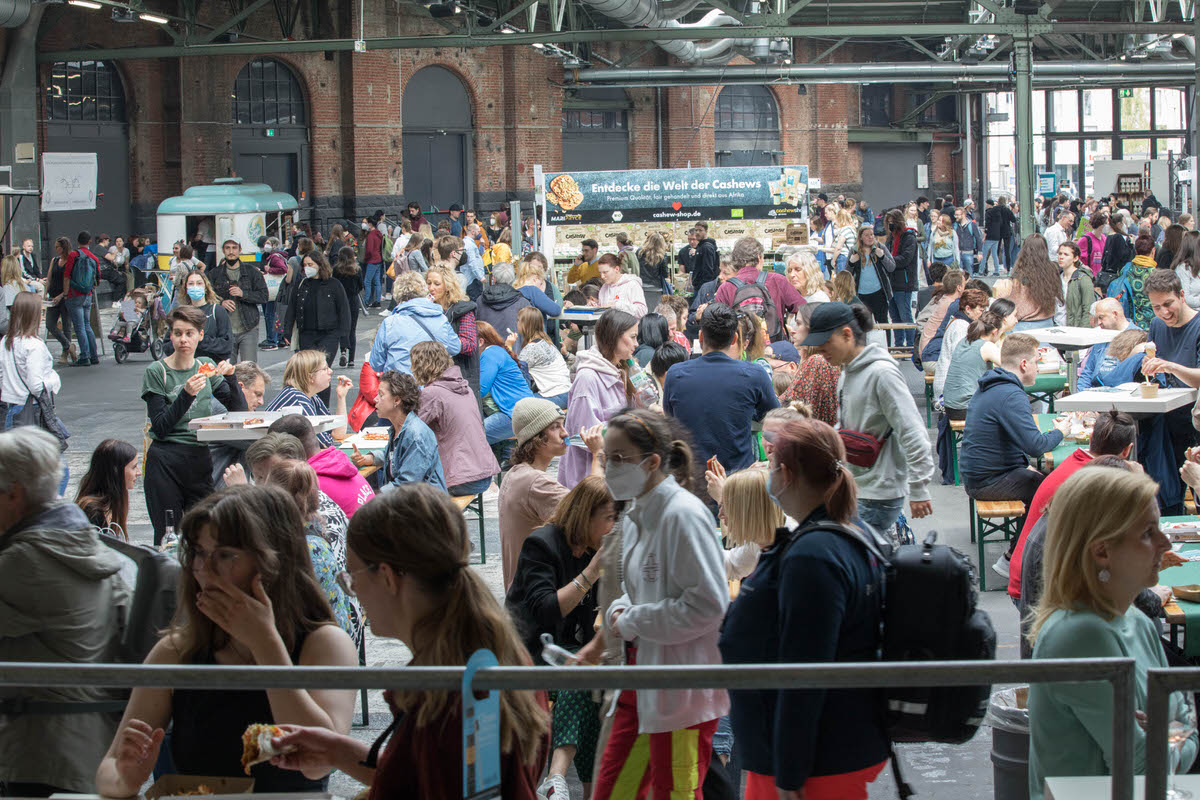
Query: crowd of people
x,y
635,479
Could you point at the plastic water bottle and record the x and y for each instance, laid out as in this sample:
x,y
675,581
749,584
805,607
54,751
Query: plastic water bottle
x,y
554,655
644,387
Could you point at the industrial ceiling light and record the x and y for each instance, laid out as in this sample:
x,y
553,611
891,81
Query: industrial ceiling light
x,y
153,18
85,4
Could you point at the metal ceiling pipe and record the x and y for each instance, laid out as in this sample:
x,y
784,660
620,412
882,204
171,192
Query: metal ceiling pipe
x,y
648,14
894,72
13,13
674,9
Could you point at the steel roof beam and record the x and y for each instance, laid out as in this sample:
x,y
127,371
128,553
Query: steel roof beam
x,y
449,41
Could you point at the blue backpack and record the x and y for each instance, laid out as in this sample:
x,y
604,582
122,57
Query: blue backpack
x,y
1121,290
83,273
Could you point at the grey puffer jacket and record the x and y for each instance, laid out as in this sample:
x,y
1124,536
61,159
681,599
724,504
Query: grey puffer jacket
x,y
61,601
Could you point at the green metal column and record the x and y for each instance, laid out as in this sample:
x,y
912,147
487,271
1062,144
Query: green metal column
x,y
1023,104
1196,114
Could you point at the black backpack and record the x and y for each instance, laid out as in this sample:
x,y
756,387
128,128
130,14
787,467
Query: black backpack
x,y
928,613
83,272
1117,253
755,298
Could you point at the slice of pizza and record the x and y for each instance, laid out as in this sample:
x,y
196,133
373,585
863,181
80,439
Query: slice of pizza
x,y
257,747
207,370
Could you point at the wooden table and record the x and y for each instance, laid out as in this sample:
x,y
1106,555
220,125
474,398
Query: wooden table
x,y
895,326
1058,455
1045,386
1177,611
1071,341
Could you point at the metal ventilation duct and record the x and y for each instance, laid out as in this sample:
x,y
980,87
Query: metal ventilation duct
x,y
652,14
13,13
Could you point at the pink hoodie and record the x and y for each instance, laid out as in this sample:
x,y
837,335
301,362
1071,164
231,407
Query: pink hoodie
x,y
339,478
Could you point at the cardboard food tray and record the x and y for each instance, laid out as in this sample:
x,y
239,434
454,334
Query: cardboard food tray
x,y
177,785
363,443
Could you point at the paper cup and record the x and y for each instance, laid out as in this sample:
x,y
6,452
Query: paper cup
x,y
1149,390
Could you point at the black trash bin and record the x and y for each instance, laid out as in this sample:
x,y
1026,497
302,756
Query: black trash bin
x,y
1009,720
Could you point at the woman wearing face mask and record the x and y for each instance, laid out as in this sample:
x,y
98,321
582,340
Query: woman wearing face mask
x,y
814,595
674,600
601,387
320,311
178,467
217,343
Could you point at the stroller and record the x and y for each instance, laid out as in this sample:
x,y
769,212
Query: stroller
x,y
135,330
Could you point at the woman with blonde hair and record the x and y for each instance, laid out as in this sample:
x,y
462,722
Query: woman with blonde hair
x,y
446,290
749,519
845,288
804,274
1103,547
502,249
846,227
305,376
654,264
11,278
408,564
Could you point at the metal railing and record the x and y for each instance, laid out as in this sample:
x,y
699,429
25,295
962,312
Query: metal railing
x,y
1159,685
1119,672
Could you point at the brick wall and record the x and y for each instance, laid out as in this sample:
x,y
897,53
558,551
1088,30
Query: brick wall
x,y
181,128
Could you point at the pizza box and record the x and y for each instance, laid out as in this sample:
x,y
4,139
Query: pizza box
x,y
229,427
363,443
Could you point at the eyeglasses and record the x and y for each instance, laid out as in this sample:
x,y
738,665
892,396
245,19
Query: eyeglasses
x,y
214,561
617,458
345,579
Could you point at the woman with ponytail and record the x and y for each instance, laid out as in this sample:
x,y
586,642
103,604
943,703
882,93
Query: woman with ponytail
x,y
674,598
406,561
812,599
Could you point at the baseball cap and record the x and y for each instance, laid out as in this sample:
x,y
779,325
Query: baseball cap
x,y
827,318
785,351
455,207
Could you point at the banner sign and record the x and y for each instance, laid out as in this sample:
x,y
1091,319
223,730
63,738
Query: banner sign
x,y
68,181
1046,186
676,195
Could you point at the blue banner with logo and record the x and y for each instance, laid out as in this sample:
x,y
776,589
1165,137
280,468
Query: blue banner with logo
x,y
676,195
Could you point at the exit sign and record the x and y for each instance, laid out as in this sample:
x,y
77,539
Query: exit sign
x,y
270,131
1126,92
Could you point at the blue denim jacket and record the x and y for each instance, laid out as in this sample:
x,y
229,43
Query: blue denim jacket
x,y
412,456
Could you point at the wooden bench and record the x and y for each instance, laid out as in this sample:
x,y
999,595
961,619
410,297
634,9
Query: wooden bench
x,y
996,518
474,503
957,426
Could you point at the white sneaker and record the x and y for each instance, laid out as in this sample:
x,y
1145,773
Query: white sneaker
x,y
384,312
116,305
554,788
1001,566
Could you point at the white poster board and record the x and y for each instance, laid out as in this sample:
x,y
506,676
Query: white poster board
x,y
68,181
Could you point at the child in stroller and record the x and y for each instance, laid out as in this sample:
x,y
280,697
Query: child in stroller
x,y
133,331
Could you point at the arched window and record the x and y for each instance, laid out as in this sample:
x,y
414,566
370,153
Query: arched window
x,y
266,92
85,90
747,127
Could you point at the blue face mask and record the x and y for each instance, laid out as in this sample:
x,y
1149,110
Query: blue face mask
x,y
774,488
196,293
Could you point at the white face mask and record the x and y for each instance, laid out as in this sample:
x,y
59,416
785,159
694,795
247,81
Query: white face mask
x,y
310,272
625,481
268,248
365,226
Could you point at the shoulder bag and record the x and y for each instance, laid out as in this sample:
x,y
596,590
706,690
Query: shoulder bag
x,y
39,411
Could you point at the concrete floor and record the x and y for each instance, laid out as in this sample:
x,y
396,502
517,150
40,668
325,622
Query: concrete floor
x,y
101,402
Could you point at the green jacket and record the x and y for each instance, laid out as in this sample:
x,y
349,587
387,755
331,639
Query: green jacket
x,y
62,600
1081,293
